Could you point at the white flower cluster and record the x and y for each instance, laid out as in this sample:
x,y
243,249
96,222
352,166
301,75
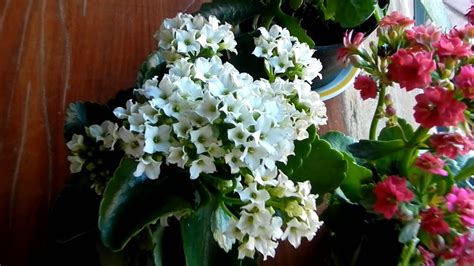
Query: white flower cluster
x,y
205,115
258,228
188,36
285,55
204,112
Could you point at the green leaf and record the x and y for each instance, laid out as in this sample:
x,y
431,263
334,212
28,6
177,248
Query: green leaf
x,y
292,24
131,203
466,172
356,176
375,149
350,13
83,114
109,258
232,11
158,244
402,131
200,248
324,167
391,164
409,231
295,4
338,140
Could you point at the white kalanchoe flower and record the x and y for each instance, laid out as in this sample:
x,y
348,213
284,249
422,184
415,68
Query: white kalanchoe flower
x,y
76,163
202,138
283,53
208,108
294,231
233,160
107,132
148,166
213,121
178,156
124,113
76,143
203,164
157,139
132,144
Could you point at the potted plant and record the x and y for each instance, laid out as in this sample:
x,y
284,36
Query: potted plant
x,y
187,167
320,23
408,196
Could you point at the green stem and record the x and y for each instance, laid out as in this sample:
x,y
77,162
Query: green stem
x,y
231,201
375,119
412,145
407,252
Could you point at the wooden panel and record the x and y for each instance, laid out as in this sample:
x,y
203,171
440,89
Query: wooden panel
x,y
53,52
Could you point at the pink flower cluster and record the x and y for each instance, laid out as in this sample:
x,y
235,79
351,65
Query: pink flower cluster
x,y
461,201
420,57
389,194
439,65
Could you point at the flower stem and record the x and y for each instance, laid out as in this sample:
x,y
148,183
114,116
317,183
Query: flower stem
x,y
376,118
407,252
412,145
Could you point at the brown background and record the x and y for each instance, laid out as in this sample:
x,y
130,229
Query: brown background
x,y
53,52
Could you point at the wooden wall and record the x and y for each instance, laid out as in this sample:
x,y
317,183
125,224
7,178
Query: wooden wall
x,y
53,52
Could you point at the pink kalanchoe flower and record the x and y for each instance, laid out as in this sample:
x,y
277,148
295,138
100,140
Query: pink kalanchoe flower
x,y
411,69
424,35
390,193
427,256
465,81
366,85
396,19
462,249
431,164
350,45
438,107
451,144
432,221
452,47
461,201
463,33
470,15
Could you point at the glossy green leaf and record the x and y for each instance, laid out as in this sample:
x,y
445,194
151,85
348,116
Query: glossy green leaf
x,y
200,248
376,149
131,203
402,131
232,11
83,114
295,4
325,167
338,140
292,24
391,164
466,170
356,176
350,13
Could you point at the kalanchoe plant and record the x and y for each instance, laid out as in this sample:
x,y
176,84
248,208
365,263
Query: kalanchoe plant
x,y
419,183
209,148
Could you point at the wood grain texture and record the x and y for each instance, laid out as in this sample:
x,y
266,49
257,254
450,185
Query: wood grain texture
x,y
53,52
